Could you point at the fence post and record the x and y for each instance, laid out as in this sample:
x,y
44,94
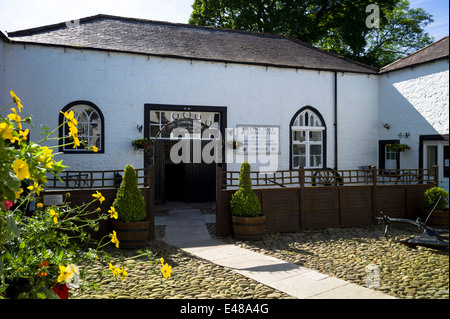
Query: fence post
x,y
301,176
301,179
373,171
436,175
151,199
219,213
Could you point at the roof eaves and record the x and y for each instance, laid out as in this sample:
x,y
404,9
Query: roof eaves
x,y
3,37
169,56
388,68
372,69
29,32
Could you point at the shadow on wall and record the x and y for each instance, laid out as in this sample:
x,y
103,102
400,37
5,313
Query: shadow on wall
x,y
414,102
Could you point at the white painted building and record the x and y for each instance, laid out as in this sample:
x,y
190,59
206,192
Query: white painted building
x,y
121,73
414,104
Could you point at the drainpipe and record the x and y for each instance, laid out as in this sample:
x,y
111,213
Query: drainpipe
x,y
335,123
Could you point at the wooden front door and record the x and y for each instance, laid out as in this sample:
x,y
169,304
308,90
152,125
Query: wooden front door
x,y
191,180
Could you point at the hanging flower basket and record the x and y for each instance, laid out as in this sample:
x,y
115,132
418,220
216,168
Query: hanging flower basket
x,y
397,147
142,144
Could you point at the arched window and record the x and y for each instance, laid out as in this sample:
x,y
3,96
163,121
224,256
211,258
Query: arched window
x,y
91,126
308,139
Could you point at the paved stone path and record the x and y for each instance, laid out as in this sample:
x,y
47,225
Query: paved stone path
x,y
186,229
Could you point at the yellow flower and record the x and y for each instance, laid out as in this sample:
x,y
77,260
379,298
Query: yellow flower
x,y
16,100
121,273
71,120
40,205
162,261
46,152
166,270
113,269
36,187
55,215
114,239
23,135
73,131
20,167
94,149
66,273
113,212
16,118
17,194
99,196
6,131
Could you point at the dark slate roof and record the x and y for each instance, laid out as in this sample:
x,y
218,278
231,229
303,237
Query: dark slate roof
x,y
433,52
3,37
104,32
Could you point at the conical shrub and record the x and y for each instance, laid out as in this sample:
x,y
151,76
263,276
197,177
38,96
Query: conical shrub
x,y
245,203
129,203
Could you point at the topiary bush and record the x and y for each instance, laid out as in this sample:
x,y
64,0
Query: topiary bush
x,y
432,195
245,203
129,203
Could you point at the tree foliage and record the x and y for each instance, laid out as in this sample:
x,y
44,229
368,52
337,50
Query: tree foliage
x,y
337,26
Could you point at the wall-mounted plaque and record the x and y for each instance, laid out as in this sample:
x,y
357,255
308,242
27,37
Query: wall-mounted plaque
x,y
255,139
49,200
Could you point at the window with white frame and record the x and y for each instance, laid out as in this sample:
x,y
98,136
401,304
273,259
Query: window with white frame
x,y
308,135
90,126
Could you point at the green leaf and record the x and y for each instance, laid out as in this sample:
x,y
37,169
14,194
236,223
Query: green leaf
x,y
12,181
12,225
1,269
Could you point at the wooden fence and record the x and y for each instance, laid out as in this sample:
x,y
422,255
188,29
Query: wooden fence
x,y
305,198
82,184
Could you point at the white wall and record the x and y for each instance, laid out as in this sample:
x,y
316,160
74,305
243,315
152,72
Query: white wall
x,y
414,100
46,79
2,77
357,120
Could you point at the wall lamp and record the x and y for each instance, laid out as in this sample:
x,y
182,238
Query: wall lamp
x,y
139,127
386,126
400,135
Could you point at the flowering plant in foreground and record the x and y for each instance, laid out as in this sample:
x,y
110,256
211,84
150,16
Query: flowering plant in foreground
x,y
42,252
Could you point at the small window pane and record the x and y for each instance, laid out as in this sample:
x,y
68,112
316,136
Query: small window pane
x,y
82,117
164,118
299,149
154,129
315,136
299,161
299,136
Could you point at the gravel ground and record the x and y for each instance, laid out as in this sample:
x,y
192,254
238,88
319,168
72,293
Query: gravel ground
x,y
192,278
359,255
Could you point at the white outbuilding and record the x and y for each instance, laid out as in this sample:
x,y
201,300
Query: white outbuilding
x,y
126,79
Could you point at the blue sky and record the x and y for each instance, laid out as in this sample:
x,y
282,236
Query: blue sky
x,y
23,14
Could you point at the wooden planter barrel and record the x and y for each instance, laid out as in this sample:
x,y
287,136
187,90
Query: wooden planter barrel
x,y
131,234
438,219
248,228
